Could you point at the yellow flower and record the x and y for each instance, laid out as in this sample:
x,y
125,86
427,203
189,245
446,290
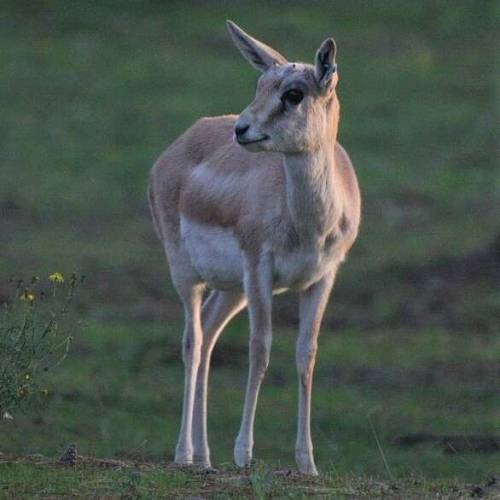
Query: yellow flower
x,y
27,376
28,296
56,278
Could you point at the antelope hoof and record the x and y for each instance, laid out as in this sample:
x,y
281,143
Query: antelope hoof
x,y
202,461
305,463
183,457
242,456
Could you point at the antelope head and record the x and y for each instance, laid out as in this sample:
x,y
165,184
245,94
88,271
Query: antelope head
x,y
295,108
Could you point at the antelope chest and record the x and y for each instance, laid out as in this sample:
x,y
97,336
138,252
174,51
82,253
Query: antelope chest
x,y
299,268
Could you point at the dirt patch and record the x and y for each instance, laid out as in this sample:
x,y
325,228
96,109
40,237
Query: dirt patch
x,y
452,444
483,376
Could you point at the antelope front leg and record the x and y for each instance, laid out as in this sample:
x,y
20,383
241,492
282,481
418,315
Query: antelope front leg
x,y
312,307
258,290
191,346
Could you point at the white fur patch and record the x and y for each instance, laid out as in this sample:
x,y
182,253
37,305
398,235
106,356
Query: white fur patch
x,y
222,185
215,253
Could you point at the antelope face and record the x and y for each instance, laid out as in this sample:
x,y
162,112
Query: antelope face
x,y
295,103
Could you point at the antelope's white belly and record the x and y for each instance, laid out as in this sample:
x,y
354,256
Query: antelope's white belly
x,y
215,254
217,257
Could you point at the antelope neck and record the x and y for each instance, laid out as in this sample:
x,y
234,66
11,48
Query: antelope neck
x,y
312,193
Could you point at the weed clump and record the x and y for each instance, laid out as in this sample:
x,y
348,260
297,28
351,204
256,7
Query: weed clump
x,y
36,327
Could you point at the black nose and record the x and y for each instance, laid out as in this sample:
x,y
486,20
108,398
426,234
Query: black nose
x,y
241,129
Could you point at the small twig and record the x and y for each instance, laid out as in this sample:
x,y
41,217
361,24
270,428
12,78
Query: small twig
x,y
382,454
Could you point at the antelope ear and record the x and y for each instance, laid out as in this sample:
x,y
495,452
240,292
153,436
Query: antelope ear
x,y
258,54
325,65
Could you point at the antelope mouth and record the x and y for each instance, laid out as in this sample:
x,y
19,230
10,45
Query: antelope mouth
x,y
246,143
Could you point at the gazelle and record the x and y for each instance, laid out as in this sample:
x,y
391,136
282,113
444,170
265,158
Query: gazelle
x,y
250,206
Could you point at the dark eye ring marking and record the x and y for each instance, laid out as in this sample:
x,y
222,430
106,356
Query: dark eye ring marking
x,y
293,97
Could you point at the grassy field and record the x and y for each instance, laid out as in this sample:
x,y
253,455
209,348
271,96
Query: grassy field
x,y
92,92
130,479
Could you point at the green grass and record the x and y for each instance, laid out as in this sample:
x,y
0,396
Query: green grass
x,y
40,477
92,92
120,395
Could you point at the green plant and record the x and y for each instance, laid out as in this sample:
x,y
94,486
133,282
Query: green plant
x,y
262,481
35,334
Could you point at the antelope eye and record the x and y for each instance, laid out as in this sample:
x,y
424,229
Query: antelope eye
x,y
293,96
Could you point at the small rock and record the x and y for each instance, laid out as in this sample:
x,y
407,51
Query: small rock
x,y
492,487
70,455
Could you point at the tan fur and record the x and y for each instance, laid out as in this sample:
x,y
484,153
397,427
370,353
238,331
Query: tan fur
x,y
210,142
278,211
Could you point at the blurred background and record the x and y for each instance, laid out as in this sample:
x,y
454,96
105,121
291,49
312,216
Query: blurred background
x,y
92,92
